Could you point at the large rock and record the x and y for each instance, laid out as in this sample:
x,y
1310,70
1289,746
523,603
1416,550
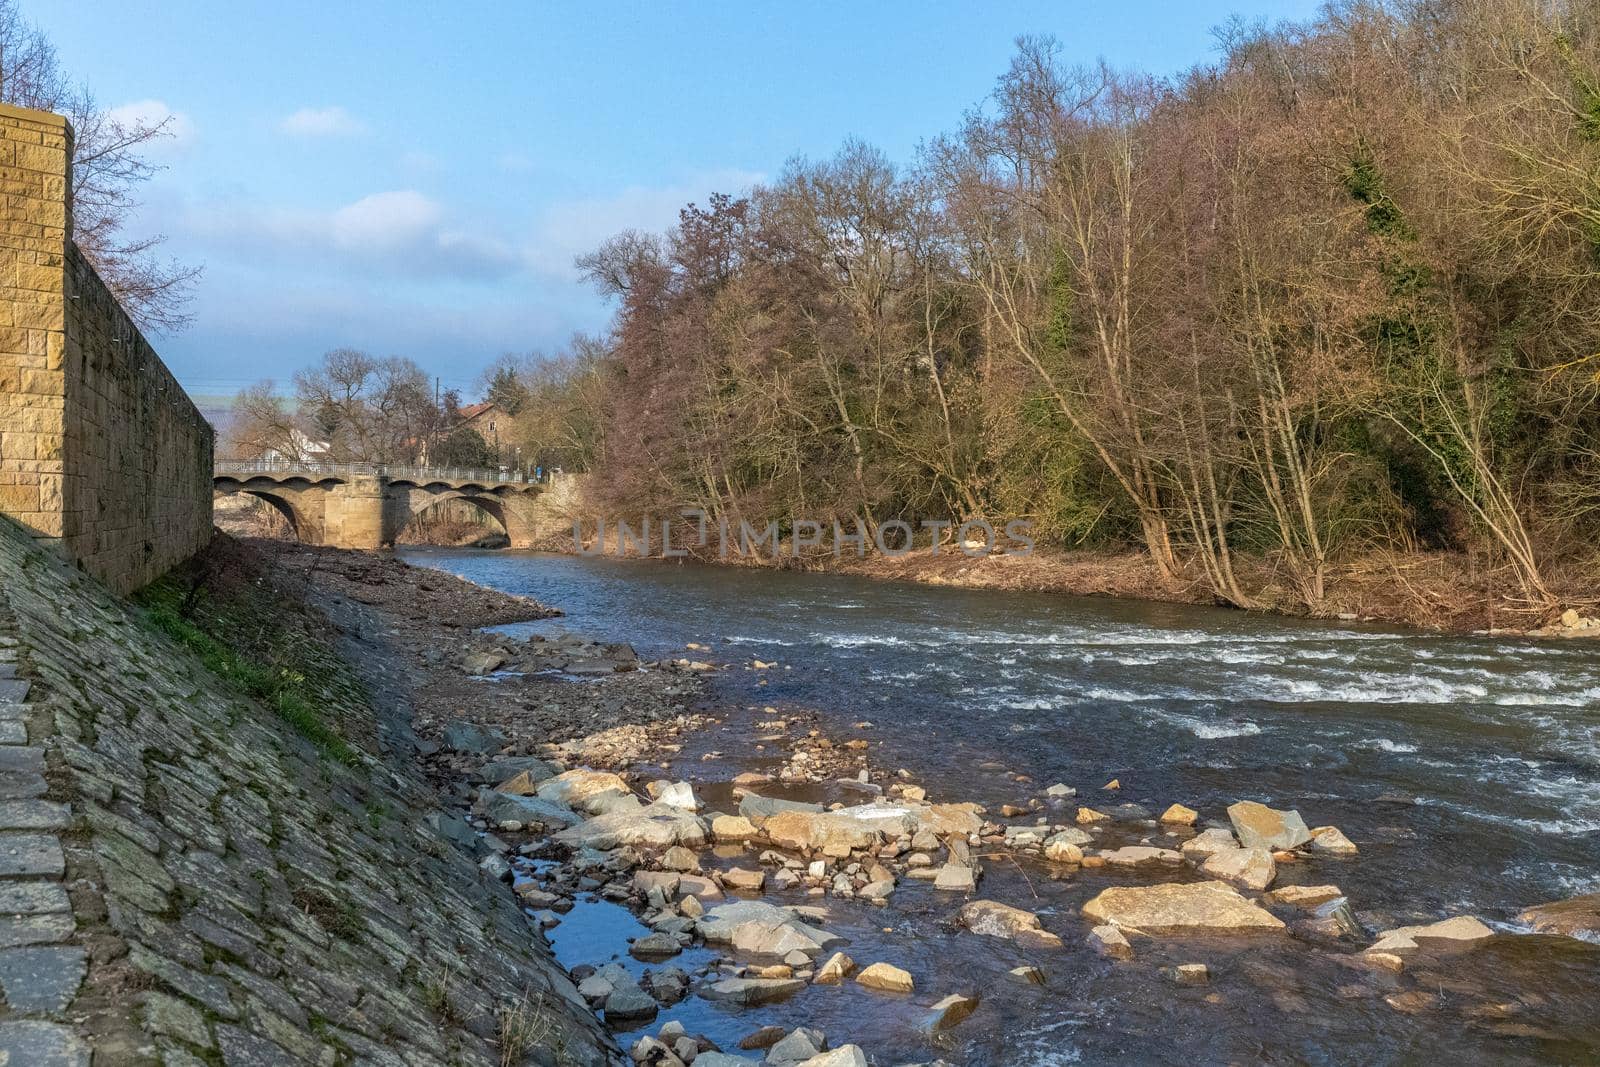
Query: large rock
x,y
1062,852
1207,843
1248,868
993,919
1575,917
500,807
728,828
887,977
946,819
956,878
1178,815
627,1003
949,1012
843,1056
1134,856
1304,896
836,970
578,788
1462,931
472,738
1259,826
1110,942
797,1046
759,809
654,826
750,991
507,767
831,833
1331,840
1167,910
762,929
676,886
481,663
656,946
679,795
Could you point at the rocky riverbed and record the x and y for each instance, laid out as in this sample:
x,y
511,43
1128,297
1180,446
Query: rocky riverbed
x,y
743,884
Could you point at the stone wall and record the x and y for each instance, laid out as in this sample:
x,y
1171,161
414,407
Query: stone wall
x,y
186,880
102,454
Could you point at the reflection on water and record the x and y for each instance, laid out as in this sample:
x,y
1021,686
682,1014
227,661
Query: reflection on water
x,y
1467,769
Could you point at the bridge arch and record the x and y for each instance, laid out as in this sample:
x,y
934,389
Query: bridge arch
x,y
511,511
280,505
300,501
419,503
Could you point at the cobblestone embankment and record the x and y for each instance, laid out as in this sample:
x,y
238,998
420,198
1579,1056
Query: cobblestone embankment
x,y
186,880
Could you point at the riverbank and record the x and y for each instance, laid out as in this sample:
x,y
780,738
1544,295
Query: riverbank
x,y
626,845
1442,592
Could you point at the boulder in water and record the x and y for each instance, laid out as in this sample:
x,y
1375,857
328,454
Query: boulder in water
x,y
654,826
763,929
1462,931
887,977
500,807
1304,896
509,767
749,991
481,663
1168,910
1331,840
1259,826
836,970
1178,815
1575,917
993,919
1248,868
579,788
759,809
1207,843
949,1012
1142,856
1109,941
732,828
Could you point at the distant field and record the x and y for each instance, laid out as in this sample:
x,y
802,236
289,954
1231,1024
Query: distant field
x,y
214,406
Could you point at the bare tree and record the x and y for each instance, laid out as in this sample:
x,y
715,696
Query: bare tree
x,y
368,410
108,164
261,424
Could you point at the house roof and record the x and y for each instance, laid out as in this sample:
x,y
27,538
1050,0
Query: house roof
x,y
472,411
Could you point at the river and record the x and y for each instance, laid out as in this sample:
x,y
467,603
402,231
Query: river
x,y
1467,769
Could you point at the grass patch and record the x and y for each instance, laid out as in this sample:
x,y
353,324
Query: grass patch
x,y
257,650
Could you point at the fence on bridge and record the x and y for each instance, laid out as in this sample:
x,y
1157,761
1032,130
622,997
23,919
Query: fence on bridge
x,y
393,472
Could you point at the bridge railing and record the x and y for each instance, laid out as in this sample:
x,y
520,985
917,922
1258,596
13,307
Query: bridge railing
x,y
436,474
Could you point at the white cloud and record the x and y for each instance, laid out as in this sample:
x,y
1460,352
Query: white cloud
x,y
331,121
400,232
178,127
385,220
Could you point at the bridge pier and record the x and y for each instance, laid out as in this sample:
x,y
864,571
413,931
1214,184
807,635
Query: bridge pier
x,y
353,514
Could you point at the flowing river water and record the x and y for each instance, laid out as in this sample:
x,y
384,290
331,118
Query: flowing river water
x,y
1466,769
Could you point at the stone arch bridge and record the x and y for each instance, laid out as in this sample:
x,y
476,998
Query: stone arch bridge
x,y
365,506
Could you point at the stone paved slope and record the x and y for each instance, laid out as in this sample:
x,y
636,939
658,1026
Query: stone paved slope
x,y
185,880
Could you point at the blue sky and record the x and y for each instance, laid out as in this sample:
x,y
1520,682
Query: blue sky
x,y
415,179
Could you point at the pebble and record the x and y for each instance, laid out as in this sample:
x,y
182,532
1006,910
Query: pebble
x,y
1109,941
